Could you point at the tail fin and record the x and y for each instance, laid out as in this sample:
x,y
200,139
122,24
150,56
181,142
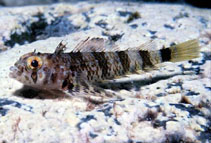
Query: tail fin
x,y
181,52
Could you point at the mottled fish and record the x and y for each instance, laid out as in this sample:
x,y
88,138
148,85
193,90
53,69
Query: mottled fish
x,y
91,61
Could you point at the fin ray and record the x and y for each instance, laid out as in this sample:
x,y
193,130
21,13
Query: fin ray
x,y
60,48
148,46
185,51
95,45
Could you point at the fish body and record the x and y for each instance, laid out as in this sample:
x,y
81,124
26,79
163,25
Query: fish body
x,y
90,62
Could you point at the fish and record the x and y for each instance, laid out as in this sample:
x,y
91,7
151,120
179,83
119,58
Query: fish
x,y
91,61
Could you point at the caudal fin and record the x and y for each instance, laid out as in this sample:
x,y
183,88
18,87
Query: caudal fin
x,y
181,52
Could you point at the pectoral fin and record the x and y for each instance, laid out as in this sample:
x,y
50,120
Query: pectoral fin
x,y
93,93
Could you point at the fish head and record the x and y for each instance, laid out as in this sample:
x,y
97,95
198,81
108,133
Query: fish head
x,y
31,69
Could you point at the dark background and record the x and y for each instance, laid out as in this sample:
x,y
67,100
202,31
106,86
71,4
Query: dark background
x,y
196,3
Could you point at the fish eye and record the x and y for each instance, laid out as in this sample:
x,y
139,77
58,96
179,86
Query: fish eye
x,y
34,62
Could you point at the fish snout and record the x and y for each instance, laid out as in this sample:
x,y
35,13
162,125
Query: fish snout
x,y
13,72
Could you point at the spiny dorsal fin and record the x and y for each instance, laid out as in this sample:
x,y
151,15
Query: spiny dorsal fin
x,y
60,48
95,45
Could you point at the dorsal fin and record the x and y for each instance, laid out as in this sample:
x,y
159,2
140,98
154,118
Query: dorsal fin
x,y
60,48
95,45
148,46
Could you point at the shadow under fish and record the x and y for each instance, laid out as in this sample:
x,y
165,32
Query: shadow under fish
x,y
35,93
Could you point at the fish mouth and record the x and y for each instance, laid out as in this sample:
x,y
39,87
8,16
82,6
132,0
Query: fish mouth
x,y
13,72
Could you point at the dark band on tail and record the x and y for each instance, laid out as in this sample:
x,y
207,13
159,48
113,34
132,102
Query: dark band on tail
x,y
165,54
181,52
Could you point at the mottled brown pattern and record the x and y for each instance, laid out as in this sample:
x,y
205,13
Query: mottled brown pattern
x,y
19,73
145,55
77,61
125,60
40,75
53,77
45,69
21,69
26,69
49,56
45,81
57,68
70,86
47,75
65,84
102,62
34,77
26,77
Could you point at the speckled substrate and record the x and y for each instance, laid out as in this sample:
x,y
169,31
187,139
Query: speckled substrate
x,y
169,104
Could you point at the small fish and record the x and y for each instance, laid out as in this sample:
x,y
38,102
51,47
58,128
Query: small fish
x,y
91,61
